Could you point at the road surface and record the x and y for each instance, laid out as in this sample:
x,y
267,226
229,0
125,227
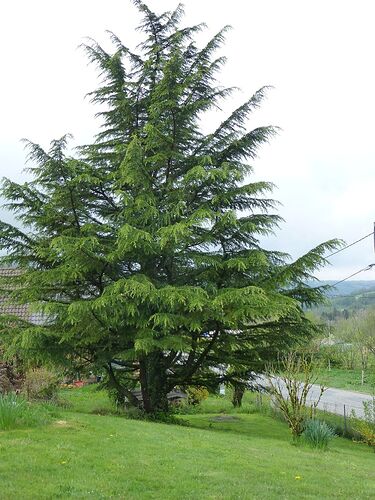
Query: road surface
x,y
335,400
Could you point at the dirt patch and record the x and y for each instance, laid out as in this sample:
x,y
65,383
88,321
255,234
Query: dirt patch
x,y
224,418
61,423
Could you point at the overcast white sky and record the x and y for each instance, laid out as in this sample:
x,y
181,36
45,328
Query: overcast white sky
x,y
319,56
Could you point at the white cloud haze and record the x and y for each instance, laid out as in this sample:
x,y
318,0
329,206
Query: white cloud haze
x,y
317,55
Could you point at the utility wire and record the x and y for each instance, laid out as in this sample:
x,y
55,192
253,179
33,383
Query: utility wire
x,y
367,268
354,295
350,245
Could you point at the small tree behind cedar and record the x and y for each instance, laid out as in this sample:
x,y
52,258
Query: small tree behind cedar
x,y
289,384
143,252
359,334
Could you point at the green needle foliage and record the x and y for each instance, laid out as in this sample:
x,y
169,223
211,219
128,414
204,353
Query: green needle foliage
x,y
142,251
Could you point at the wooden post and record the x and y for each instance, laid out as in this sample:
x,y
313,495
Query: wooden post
x,y
329,344
345,429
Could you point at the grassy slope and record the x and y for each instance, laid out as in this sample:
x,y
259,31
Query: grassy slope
x,y
349,379
92,456
108,456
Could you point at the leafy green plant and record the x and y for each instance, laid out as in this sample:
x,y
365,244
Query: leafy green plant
x,y
16,412
12,409
317,434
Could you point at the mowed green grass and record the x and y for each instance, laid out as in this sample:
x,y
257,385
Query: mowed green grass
x,y
84,455
350,380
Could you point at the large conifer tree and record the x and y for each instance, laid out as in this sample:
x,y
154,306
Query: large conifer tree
x,y
143,250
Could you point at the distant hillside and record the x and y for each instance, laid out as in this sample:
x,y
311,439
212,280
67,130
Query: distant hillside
x,y
346,298
349,287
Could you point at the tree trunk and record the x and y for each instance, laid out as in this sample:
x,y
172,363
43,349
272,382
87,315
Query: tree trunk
x,y
123,395
364,358
238,392
154,383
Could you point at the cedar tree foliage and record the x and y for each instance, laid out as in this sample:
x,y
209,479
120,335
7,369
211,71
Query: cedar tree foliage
x,y
142,251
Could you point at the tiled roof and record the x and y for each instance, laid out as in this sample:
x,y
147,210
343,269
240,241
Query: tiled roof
x,y
22,311
6,272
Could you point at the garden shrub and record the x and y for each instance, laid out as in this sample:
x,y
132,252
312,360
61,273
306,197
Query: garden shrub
x,y
317,434
40,384
367,433
196,394
366,426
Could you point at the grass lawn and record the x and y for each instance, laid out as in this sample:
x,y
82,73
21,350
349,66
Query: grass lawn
x,y
82,455
349,379
88,399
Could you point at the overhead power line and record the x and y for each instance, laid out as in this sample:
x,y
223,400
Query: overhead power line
x,y
355,295
350,245
367,268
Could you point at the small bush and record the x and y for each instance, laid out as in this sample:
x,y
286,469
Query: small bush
x,y
366,426
16,412
40,385
367,433
183,408
317,434
196,395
